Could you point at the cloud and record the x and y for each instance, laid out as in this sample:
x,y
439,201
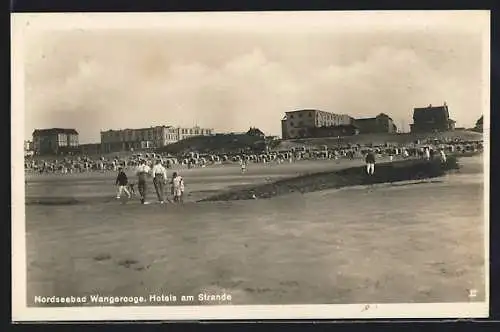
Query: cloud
x,y
93,83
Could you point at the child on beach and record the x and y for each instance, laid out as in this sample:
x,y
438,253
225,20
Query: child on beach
x,y
177,188
122,182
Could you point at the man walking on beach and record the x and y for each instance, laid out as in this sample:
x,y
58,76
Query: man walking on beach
x,y
142,173
370,162
159,180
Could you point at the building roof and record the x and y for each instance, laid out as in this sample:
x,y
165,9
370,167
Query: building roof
x,y
303,110
366,119
55,131
374,117
430,112
314,110
154,127
255,131
430,108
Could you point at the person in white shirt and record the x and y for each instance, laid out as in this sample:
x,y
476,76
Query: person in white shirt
x,y
142,173
178,187
243,165
405,153
159,180
443,156
427,153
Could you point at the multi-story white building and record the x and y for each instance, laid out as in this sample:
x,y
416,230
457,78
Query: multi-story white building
x,y
145,138
297,124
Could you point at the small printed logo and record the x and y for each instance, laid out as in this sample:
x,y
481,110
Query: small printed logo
x,y
472,293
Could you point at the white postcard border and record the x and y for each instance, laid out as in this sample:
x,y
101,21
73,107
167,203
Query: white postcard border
x,y
21,23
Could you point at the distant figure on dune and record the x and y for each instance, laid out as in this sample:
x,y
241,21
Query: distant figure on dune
x,y
370,162
443,156
427,153
243,164
405,153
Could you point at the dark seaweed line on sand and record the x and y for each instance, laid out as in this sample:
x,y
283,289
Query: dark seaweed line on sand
x,y
354,176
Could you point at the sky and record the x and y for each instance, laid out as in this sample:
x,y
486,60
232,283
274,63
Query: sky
x,y
230,73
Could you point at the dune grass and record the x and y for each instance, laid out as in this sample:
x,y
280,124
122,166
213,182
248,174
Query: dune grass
x,y
386,172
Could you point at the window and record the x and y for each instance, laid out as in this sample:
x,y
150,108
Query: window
x,y
291,123
291,116
310,115
300,115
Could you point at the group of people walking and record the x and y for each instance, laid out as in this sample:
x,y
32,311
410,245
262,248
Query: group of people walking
x,y
159,174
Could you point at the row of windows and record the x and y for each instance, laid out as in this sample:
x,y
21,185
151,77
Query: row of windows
x,y
322,116
195,131
318,123
300,115
151,133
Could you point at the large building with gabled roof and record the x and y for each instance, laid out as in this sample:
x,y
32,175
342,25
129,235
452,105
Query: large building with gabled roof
x,y
52,141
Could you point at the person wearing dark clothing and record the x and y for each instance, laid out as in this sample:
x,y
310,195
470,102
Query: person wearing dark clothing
x,y
122,182
370,163
142,173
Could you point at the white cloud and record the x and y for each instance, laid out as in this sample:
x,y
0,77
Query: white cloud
x,y
94,82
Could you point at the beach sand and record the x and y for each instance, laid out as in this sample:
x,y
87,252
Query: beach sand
x,y
399,243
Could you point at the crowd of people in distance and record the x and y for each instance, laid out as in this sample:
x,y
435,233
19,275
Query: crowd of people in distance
x,y
154,166
426,153
86,164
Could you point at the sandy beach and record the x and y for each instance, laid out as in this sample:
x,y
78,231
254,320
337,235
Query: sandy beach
x,y
391,243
